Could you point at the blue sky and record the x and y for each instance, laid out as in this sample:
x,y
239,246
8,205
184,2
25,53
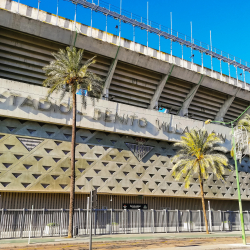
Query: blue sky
x,y
228,20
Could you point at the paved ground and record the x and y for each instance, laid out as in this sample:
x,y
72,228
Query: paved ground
x,y
158,241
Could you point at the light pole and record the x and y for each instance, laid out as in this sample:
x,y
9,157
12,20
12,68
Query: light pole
x,y
120,24
38,9
236,170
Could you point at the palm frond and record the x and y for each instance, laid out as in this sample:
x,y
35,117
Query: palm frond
x,y
67,74
199,152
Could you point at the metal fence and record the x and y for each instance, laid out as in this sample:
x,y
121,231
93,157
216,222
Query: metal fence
x,y
18,223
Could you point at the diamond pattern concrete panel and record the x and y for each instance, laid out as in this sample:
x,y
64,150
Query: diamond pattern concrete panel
x,y
103,161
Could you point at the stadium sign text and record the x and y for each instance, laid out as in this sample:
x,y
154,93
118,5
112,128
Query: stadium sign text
x,y
107,116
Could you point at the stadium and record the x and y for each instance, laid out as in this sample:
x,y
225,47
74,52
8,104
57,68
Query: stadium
x,y
35,135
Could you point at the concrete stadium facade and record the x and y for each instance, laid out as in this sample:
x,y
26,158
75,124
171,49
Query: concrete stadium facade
x,y
35,135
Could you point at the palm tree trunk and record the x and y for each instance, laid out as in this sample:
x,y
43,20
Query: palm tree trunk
x,y
203,204
72,180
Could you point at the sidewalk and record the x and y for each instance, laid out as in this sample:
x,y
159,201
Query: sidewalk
x,y
11,243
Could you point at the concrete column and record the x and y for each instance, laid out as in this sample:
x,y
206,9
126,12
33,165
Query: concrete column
x,y
109,78
160,87
247,112
184,109
73,38
224,108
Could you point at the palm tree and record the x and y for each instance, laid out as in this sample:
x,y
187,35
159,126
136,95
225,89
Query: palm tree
x,y
66,74
245,122
198,153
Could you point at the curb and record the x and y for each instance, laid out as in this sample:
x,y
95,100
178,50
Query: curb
x,y
79,242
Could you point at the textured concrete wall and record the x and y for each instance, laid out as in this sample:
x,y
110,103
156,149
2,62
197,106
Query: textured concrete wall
x,y
103,161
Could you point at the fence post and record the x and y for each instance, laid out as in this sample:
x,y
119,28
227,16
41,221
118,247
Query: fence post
x,y
177,220
87,216
153,222
111,214
221,223
231,226
42,224
245,219
125,221
210,219
189,222
79,220
122,221
239,218
1,225
61,222
166,220
229,220
95,222
31,221
248,218
223,226
21,233
200,220
139,213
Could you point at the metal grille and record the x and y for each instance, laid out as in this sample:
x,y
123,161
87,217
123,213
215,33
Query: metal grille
x,y
19,223
184,221
195,221
160,221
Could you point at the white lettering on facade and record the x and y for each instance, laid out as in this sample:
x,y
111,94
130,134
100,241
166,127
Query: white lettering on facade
x,y
108,117
142,122
97,114
9,95
121,119
64,108
46,105
28,101
132,118
160,125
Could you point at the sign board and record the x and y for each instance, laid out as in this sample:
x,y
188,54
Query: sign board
x,y
135,206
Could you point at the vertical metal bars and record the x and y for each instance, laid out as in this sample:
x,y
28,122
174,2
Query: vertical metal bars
x,y
124,16
15,223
